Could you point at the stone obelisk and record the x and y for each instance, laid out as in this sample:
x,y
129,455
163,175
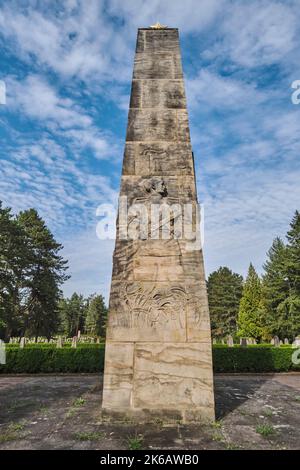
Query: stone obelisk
x,y
158,358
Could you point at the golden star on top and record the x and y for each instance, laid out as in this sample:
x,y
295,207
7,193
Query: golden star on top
x,y
158,26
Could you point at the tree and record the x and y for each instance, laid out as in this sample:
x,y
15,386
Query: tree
x,y
73,312
250,323
46,274
96,316
14,270
224,293
289,309
281,285
293,255
275,291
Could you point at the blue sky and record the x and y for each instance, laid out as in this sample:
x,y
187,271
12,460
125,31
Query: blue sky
x,y
67,67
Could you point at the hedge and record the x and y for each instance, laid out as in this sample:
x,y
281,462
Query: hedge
x,y
32,359
253,359
90,358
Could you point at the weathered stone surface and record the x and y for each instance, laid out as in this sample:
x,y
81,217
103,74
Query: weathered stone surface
x,y
117,387
157,159
157,93
159,65
172,375
158,352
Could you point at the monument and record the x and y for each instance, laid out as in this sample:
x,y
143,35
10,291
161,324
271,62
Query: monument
x,y
158,360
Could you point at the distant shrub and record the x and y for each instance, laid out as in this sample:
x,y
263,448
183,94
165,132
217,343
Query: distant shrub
x,y
44,358
48,358
254,358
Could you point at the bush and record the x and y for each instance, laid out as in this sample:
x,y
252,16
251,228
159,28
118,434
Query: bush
x,y
253,359
34,358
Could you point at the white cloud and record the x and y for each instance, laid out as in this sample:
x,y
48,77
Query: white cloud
x,y
90,261
188,16
74,41
37,99
247,167
259,32
215,91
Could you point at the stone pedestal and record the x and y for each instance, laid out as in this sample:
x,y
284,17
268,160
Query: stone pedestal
x,y
158,360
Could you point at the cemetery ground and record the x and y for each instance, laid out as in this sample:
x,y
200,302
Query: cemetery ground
x,y
254,411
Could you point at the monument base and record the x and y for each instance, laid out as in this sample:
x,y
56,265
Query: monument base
x,y
164,416
168,381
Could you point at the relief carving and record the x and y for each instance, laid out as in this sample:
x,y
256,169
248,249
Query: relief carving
x,y
159,161
143,306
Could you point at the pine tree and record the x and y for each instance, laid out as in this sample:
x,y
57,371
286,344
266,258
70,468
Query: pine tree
x,y
96,316
275,291
224,293
73,312
14,266
293,258
289,309
47,273
250,318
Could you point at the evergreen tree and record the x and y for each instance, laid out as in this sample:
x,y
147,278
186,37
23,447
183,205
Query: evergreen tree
x,y
224,293
275,291
289,309
281,285
96,316
293,255
73,312
47,272
14,269
250,323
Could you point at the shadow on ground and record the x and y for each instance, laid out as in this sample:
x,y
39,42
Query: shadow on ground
x,y
63,412
232,391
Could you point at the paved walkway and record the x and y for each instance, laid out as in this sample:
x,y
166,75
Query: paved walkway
x,y
63,412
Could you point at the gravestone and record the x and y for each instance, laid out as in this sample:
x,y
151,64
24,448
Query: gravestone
x,y
276,341
22,342
59,343
158,359
74,342
230,341
286,341
296,342
243,342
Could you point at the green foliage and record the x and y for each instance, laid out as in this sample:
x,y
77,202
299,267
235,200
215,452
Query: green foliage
x,y
224,290
14,271
257,358
281,285
31,272
47,272
135,442
250,312
72,314
96,316
275,291
51,359
293,258
90,358
265,430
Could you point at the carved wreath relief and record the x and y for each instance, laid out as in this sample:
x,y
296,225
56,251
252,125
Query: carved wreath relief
x,y
153,307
